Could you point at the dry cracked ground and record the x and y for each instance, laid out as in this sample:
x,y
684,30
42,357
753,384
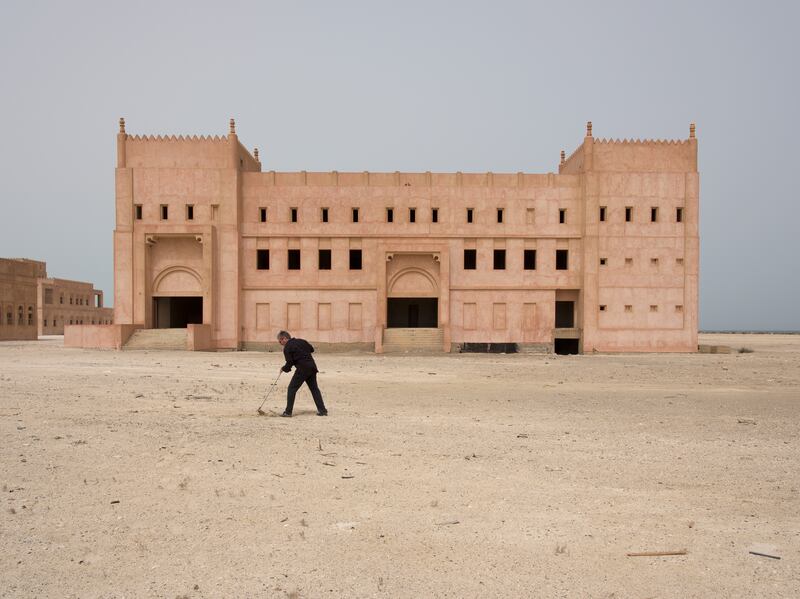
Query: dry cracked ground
x,y
149,474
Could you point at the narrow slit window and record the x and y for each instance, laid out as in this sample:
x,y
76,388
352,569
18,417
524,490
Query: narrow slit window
x,y
355,215
470,259
324,258
138,211
562,216
294,215
500,216
262,259
189,212
499,259
530,216
390,215
412,215
262,214
355,259
602,214
293,262
679,215
434,215
324,215
469,215
529,259
653,214
164,212
628,214
562,260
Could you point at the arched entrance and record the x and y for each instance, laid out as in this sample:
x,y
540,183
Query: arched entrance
x,y
413,293
177,298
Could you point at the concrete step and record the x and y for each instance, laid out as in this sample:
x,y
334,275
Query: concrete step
x,y
412,340
157,339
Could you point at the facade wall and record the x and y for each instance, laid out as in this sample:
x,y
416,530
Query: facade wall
x,y
64,302
647,285
18,298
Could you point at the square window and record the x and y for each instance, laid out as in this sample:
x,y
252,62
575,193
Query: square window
x,y
602,308
390,215
603,261
262,214
679,261
262,259
294,214
628,261
628,214
679,215
138,211
355,259
293,260
530,259
602,214
434,215
469,215
653,308
324,262
499,259
653,214
628,308
189,212
562,259
164,212
470,259
500,215
562,216
324,215
679,308
355,215
653,261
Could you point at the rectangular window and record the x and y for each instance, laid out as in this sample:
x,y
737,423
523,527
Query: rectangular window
x,y
469,215
679,261
355,259
214,212
189,212
355,215
628,214
293,260
164,212
679,308
530,259
434,215
324,260
262,259
653,214
499,259
562,216
628,261
262,214
412,215
628,308
500,215
562,260
603,261
679,215
653,308
602,307
390,215
653,261
294,215
137,209
324,215
602,214
470,259
48,296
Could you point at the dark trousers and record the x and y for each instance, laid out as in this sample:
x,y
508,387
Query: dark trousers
x,y
310,379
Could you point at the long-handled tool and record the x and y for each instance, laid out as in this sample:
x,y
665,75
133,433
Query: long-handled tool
x,y
271,388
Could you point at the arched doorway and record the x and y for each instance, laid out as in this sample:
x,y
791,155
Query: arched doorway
x,y
177,298
413,295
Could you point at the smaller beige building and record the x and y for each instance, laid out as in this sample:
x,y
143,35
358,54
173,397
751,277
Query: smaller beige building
x,y
62,302
18,297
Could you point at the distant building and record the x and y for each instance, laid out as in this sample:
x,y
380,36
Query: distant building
x,y
63,302
602,256
18,301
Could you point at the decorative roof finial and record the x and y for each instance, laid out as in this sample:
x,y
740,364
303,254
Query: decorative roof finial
x,y
233,127
691,130
122,125
563,156
588,128
255,154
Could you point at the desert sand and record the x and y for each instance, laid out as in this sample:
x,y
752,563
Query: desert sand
x,y
149,474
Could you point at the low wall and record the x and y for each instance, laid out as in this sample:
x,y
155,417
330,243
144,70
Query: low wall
x,y
98,336
319,347
198,337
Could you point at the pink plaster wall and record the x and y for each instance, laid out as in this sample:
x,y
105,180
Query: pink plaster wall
x,y
112,336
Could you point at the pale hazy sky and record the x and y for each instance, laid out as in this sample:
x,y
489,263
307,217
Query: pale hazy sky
x,y
411,86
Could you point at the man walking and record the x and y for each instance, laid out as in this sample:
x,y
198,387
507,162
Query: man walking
x,y
297,353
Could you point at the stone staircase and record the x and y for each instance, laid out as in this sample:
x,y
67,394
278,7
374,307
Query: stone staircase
x,y
412,340
157,339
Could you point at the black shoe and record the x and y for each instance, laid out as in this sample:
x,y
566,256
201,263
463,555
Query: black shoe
x,y
286,415
325,413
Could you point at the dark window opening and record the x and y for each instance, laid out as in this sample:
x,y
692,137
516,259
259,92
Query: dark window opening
x,y
565,315
679,215
602,307
562,259
500,215
355,215
562,216
262,259
566,347
653,215
390,215
470,259
138,211
294,215
324,260
294,260
435,215
602,214
189,212
262,215
499,259
628,214
469,215
164,212
355,259
412,215
530,259
603,261
324,215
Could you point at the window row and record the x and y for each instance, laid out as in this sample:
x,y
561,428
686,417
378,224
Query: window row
x,y
73,300
74,320
653,261
629,308
324,261
23,317
629,212
163,211
528,259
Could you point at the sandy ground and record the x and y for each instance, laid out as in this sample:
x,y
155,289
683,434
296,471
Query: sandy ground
x,y
143,474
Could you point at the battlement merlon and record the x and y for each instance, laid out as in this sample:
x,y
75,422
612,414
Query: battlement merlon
x,y
184,151
632,155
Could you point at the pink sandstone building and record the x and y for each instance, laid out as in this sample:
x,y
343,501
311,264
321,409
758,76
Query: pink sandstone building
x,y
601,256
18,301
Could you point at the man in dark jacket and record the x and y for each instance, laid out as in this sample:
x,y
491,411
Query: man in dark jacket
x,y
298,354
